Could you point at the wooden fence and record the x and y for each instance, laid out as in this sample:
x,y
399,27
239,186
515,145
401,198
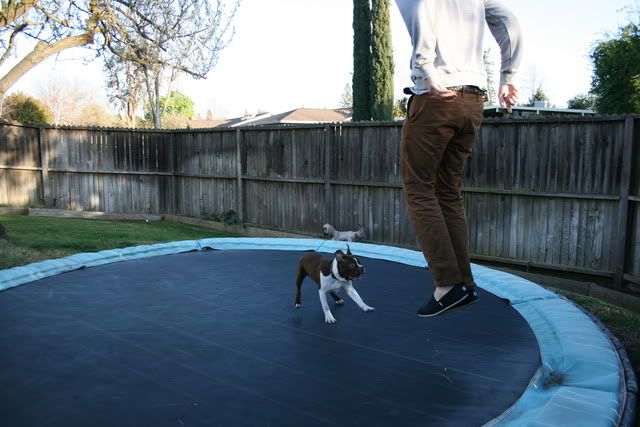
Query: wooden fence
x,y
561,194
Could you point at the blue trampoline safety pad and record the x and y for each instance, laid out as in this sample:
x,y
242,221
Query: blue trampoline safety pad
x,y
580,378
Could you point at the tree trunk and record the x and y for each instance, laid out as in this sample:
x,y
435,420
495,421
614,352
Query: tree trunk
x,y
130,114
150,97
41,52
156,88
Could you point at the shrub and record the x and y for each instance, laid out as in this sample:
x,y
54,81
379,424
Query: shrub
x,y
20,107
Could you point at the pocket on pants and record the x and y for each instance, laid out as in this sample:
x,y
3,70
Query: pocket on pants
x,y
409,107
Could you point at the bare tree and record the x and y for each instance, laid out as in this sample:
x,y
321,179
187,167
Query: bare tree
x,y
125,82
532,81
161,37
64,99
346,99
71,104
166,38
491,84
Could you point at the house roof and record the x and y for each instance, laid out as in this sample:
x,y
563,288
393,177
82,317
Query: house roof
x,y
539,110
297,116
245,121
205,124
306,115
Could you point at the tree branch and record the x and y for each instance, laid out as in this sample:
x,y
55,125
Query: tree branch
x,y
41,52
14,11
15,32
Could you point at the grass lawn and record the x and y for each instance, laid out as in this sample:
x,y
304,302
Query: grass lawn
x,y
31,239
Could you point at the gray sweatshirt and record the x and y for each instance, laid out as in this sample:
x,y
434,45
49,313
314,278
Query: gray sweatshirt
x,y
447,37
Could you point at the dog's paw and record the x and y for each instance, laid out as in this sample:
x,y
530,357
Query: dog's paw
x,y
328,318
340,301
368,309
298,305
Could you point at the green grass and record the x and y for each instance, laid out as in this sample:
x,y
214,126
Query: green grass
x,y
31,239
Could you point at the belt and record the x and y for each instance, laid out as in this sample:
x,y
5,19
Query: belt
x,y
462,89
468,89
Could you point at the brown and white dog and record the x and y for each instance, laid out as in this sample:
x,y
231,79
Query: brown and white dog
x,y
331,275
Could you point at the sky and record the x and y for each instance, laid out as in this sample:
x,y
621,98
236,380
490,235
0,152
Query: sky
x,y
288,54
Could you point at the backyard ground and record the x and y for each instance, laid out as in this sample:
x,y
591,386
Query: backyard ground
x,y
30,239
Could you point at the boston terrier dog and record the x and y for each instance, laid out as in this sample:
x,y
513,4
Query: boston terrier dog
x,y
330,275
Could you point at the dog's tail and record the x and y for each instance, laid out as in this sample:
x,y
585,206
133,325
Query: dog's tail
x,y
299,279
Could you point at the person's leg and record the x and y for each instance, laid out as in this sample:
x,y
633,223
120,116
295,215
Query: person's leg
x,y
449,184
430,125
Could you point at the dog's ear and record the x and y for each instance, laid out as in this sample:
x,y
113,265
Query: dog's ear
x,y
349,250
339,255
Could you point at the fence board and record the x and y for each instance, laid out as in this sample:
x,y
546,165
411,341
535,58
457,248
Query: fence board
x,y
21,188
634,241
287,206
569,157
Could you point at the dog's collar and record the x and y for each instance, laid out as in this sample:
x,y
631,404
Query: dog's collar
x,y
335,274
339,278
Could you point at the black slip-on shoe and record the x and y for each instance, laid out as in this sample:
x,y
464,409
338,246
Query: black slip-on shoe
x,y
471,298
455,297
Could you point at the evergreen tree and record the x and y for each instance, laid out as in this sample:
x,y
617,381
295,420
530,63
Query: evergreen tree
x,y
176,106
382,62
582,102
538,95
616,72
361,60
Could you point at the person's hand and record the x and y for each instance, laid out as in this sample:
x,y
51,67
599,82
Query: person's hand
x,y
442,92
508,96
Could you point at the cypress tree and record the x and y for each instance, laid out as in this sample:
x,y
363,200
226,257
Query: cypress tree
x,y
361,60
382,62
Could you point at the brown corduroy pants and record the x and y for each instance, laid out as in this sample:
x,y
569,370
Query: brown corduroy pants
x,y
437,139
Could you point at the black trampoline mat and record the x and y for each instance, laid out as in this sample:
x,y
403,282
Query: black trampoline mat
x,y
212,338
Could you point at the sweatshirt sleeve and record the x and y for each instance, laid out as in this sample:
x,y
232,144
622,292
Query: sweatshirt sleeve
x,y
422,31
506,30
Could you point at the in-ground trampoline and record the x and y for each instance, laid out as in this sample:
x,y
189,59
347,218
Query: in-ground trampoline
x,y
175,335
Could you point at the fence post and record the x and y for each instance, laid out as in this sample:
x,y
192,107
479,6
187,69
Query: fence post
x,y
172,169
622,238
328,194
44,167
239,189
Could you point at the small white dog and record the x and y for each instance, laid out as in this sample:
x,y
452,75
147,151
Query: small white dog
x,y
348,236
